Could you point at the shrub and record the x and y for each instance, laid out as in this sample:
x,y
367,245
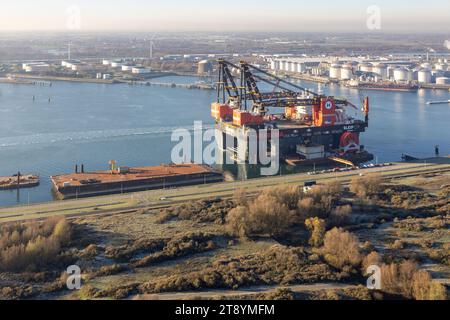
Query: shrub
x,y
240,197
340,216
341,249
269,216
179,246
238,223
407,280
372,259
316,227
397,278
367,186
286,195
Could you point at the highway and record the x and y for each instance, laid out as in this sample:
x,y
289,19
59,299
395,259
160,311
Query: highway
x,y
123,203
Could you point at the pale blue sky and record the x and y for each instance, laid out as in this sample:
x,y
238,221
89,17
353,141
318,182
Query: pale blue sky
x,y
229,15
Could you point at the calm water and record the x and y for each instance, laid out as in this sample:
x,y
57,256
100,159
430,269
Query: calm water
x,y
95,123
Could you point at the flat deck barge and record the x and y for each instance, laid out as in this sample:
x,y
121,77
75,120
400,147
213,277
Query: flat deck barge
x,y
89,184
19,182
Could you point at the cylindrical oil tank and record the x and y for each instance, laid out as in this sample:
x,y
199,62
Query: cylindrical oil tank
x,y
443,80
401,74
335,71
288,66
294,67
273,65
426,66
410,74
390,71
300,67
282,65
365,67
381,70
346,73
204,66
424,76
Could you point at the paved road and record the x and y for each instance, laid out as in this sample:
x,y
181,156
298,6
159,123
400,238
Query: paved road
x,y
160,198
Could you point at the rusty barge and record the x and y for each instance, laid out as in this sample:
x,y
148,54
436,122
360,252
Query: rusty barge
x,y
19,181
124,179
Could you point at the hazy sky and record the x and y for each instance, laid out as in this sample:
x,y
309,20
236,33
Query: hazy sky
x,y
219,15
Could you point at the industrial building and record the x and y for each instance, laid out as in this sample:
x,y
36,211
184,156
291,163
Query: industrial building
x,y
36,67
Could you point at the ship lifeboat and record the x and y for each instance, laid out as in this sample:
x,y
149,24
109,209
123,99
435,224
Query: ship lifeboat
x,y
349,142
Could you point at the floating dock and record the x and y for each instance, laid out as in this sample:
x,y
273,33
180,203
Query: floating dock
x,y
19,181
124,179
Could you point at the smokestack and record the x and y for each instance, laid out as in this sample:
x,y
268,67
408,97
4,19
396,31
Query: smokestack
x,y
76,168
82,168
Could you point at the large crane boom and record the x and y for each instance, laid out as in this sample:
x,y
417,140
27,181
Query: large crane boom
x,y
284,93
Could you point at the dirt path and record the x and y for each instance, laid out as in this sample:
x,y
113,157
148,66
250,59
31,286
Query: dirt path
x,y
210,294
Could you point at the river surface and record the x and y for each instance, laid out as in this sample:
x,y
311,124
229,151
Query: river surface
x,y
84,123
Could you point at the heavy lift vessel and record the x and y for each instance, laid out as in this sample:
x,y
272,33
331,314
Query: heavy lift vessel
x,y
313,128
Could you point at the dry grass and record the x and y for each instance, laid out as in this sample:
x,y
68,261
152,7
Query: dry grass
x,y
33,246
179,246
364,187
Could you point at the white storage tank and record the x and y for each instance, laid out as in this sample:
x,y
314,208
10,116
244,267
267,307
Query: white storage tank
x,y
346,73
294,66
410,74
424,76
115,64
335,71
390,71
300,67
288,66
273,65
381,70
443,80
282,65
365,67
426,66
401,74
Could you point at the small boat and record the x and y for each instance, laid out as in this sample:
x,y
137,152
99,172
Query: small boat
x,y
438,102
